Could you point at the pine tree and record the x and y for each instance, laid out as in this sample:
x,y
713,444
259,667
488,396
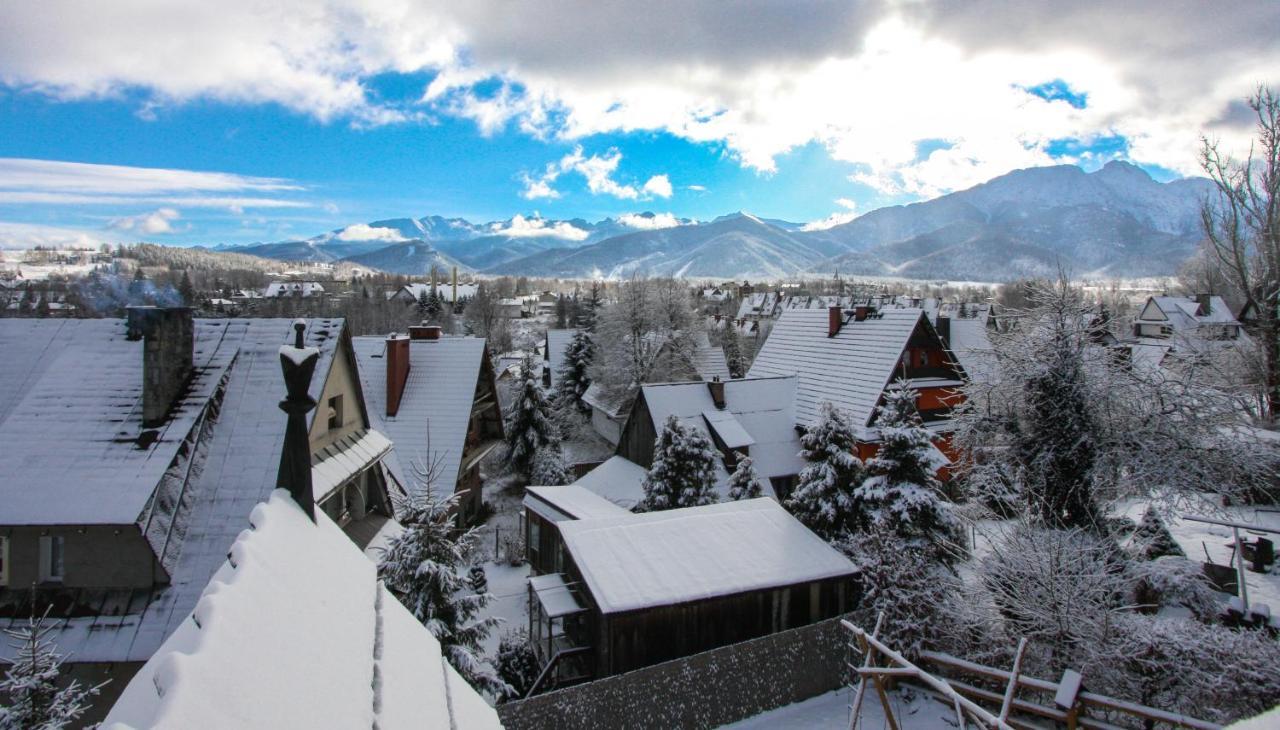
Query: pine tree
x,y
30,686
187,290
683,471
1152,539
823,498
733,351
901,492
589,308
562,312
422,567
574,379
529,426
549,468
744,482
424,303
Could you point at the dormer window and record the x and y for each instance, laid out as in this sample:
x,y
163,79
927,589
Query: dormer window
x,y
335,412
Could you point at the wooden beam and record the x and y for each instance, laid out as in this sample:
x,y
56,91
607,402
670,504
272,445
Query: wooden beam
x,y
1013,680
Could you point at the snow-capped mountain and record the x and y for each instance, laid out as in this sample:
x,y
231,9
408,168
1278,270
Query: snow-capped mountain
x,y
1116,220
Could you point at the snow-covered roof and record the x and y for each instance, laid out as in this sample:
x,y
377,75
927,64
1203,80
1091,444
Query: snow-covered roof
x,y
638,561
435,408
557,342
234,459
293,288
571,502
972,347
444,290
1183,313
598,397
851,369
296,630
337,463
617,480
708,359
758,410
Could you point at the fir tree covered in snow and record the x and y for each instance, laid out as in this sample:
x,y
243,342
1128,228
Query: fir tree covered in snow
x,y
1152,539
548,467
744,482
823,498
733,356
529,426
683,470
573,379
423,567
29,695
901,491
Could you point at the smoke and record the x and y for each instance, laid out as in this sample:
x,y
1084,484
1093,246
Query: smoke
x,y
107,295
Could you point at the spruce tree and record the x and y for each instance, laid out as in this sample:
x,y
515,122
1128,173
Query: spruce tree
x,y
29,693
823,498
901,492
733,351
683,470
744,482
573,378
422,566
529,426
1152,539
549,468
589,308
187,290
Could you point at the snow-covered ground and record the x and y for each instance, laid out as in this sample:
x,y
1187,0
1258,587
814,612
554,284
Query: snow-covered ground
x,y
913,710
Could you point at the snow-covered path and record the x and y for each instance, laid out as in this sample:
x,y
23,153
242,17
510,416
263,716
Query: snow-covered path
x,y
913,711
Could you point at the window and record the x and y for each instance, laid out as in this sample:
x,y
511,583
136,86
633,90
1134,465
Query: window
x,y
335,412
4,561
52,548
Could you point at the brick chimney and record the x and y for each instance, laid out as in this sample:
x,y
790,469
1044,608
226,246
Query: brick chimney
x,y
397,371
424,332
168,336
1206,304
861,312
943,326
835,320
716,386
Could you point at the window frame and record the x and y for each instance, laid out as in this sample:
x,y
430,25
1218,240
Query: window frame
x,y
47,558
335,412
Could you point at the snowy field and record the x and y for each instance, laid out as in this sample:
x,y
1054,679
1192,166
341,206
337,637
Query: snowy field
x,y
913,710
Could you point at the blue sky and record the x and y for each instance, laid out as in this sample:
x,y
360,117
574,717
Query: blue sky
x,y
265,126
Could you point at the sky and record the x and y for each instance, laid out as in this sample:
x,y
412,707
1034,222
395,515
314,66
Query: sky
x,y
186,122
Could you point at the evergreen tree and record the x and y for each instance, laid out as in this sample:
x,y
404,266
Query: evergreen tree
x,y
683,471
517,662
187,290
529,426
589,308
1152,539
549,468
744,482
562,312
733,351
573,379
823,498
901,491
424,303
30,685
422,567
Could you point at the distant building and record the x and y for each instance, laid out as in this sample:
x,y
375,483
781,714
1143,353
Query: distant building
x,y
512,308
605,599
554,345
411,293
301,289
1205,318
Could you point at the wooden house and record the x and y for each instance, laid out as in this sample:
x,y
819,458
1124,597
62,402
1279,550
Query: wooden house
x,y
611,599
134,452
850,356
436,397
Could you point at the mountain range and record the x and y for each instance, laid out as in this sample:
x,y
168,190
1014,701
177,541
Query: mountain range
x,y
1116,221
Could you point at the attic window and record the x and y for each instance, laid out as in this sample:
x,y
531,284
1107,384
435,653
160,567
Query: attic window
x,y
52,548
335,412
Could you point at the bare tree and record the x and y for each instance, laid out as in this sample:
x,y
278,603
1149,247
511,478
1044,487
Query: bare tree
x,y
1242,224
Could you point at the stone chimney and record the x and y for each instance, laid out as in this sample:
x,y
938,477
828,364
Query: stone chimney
x,y
943,326
168,336
716,386
1206,304
835,320
424,331
397,371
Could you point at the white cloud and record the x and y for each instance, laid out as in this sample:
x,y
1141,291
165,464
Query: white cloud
x,y
696,188
521,227
153,223
659,185
837,218
15,235
598,172
652,221
365,232
847,204
869,81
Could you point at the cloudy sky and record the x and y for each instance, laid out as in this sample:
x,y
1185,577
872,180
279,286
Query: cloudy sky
x,y
237,120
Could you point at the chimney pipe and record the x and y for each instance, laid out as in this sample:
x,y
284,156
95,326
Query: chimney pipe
x,y
861,312
1206,304
716,386
298,364
835,320
943,326
397,371
168,335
